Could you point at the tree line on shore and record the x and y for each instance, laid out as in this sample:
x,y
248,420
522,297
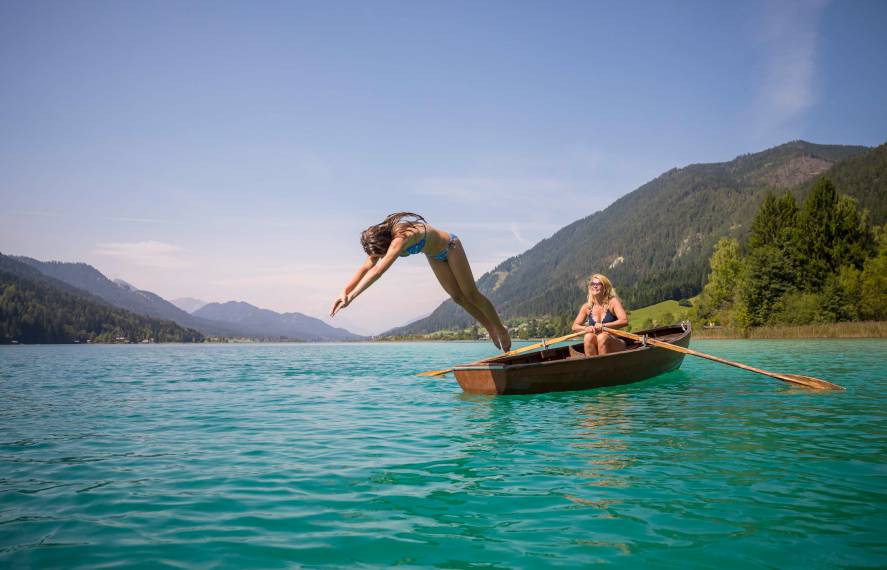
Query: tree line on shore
x,y
813,263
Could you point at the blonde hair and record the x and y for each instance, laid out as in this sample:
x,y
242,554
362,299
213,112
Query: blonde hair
x,y
608,291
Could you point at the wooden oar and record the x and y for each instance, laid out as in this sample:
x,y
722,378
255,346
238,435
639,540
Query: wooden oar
x,y
514,352
807,381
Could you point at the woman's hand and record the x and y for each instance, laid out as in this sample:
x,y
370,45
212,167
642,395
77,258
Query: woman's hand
x,y
335,308
340,303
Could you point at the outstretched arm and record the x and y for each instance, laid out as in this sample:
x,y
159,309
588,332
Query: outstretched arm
x,y
369,272
339,302
364,267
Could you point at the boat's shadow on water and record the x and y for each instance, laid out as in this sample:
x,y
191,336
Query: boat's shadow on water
x,y
581,413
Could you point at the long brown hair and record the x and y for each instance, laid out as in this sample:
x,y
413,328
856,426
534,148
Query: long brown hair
x,y
608,291
376,239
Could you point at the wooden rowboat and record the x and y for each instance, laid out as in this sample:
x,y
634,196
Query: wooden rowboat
x,y
567,368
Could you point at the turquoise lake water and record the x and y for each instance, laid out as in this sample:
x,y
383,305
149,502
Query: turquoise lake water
x,y
337,455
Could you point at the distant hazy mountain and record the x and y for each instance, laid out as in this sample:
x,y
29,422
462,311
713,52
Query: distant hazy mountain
x,y
188,304
654,243
37,308
293,326
270,323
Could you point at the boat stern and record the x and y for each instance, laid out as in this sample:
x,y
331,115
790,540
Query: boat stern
x,y
478,378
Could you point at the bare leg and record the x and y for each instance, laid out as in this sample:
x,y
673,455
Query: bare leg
x,y
458,263
590,344
448,281
601,342
607,344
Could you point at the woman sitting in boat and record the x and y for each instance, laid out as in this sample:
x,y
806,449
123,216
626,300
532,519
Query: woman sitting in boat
x,y
403,234
603,308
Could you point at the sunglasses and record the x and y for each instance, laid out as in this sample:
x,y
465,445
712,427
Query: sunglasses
x,y
596,284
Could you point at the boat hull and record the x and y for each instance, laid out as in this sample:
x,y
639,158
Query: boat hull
x,y
565,369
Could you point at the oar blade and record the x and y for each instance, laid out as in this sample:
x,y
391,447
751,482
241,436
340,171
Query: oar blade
x,y
806,381
811,382
435,372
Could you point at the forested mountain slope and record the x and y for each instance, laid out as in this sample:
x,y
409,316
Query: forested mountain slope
x,y
35,308
91,280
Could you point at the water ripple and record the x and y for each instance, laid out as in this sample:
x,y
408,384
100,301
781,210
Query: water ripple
x,y
339,456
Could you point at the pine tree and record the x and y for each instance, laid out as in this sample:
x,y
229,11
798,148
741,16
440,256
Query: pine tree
x,y
770,268
831,233
775,223
765,280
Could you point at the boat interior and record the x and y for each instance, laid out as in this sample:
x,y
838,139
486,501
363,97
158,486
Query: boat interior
x,y
575,350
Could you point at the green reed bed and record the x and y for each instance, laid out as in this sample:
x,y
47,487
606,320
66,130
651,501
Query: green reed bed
x,y
867,329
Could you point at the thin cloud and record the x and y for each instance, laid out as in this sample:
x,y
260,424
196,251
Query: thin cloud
x,y
146,221
260,222
37,213
789,35
145,253
473,190
515,231
309,277
506,226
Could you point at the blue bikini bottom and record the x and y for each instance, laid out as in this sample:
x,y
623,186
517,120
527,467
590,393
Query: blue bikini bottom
x,y
442,256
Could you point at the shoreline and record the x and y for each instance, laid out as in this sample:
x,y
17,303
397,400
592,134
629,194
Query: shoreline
x,y
855,329
848,330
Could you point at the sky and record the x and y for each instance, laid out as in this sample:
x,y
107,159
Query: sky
x,y
235,150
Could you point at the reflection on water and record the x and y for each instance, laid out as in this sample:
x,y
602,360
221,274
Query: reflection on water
x,y
603,428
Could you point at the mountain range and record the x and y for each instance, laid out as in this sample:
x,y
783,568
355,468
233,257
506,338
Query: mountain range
x,y
37,308
264,322
234,319
654,243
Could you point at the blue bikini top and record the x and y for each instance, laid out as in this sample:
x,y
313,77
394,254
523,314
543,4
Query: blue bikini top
x,y
416,247
609,317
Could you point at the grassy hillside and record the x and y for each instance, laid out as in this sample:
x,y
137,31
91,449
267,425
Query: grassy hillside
x,y
664,313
